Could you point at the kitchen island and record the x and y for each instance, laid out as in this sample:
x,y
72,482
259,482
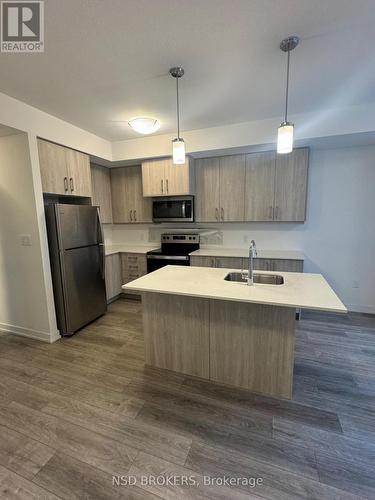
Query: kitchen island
x,y
197,323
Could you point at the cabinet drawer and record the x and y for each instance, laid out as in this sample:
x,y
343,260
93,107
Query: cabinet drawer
x,y
133,266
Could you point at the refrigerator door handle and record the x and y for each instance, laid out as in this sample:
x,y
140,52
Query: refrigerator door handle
x,y
101,243
102,251
100,230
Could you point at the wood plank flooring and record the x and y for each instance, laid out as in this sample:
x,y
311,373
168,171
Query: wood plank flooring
x,y
78,412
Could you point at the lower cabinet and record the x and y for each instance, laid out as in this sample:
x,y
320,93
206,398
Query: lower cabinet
x,y
113,279
122,268
286,265
133,266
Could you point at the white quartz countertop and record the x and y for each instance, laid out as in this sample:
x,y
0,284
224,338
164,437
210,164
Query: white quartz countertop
x,y
111,249
244,252
300,290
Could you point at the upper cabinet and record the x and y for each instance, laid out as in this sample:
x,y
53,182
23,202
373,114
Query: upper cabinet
x,y
253,187
163,178
291,186
128,203
260,186
101,192
64,170
220,189
207,189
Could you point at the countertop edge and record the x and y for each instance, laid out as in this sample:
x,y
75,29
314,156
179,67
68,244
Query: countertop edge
x,y
230,299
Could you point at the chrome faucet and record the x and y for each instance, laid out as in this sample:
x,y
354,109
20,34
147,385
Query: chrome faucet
x,y
252,254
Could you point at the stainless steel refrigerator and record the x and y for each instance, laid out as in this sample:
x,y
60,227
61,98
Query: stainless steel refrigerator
x,y
77,257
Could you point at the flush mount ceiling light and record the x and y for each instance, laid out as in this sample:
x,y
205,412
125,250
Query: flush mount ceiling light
x,y
286,129
178,143
144,125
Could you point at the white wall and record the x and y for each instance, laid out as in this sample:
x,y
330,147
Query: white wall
x,y
23,299
21,116
338,237
309,127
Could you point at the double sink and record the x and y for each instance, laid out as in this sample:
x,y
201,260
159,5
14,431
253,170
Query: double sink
x,y
263,279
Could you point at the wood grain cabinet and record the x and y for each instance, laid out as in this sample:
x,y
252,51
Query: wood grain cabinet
x,y
64,171
203,261
291,186
163,178
260,186
286,265
253,187
220,189
101,192
113,279
223,262
128,203
133,266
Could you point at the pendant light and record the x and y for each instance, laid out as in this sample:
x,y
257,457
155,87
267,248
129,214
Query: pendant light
x,y
286,129
178,143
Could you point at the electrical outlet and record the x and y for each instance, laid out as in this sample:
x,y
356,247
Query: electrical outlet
x,y
25,240
246,239
355,284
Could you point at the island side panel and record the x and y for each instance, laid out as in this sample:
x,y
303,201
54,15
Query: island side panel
x,y
252,346
176,331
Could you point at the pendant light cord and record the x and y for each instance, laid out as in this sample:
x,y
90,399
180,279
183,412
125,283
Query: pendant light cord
x,y
287,88
178,111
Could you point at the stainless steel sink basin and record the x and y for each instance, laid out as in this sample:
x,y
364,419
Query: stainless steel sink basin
x,y
263,279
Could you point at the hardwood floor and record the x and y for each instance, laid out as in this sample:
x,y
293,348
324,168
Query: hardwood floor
x,y
78,412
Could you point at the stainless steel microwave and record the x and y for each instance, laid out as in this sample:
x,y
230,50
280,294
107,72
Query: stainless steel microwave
x,y
173,209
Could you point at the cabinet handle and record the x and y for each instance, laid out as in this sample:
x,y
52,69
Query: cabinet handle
x,y
213,263
66,184
130,214
277,215
167,185
135,216
162,190
71,184
222,213
217,213
270,213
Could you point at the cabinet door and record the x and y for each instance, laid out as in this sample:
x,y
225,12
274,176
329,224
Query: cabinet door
x,y
207,189
177,178
232,188
101,192
229,262
259,264
202,261
79,173
53,168
142,207
123,197
113,279
291,186
260,186
153,178
287,265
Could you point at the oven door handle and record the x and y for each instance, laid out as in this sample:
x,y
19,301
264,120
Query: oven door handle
x,y
183,209
168,257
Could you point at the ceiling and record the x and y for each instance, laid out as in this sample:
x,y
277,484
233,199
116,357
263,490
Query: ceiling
x,y
107,61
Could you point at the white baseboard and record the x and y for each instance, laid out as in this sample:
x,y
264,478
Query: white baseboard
x,y
32,334
361,309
